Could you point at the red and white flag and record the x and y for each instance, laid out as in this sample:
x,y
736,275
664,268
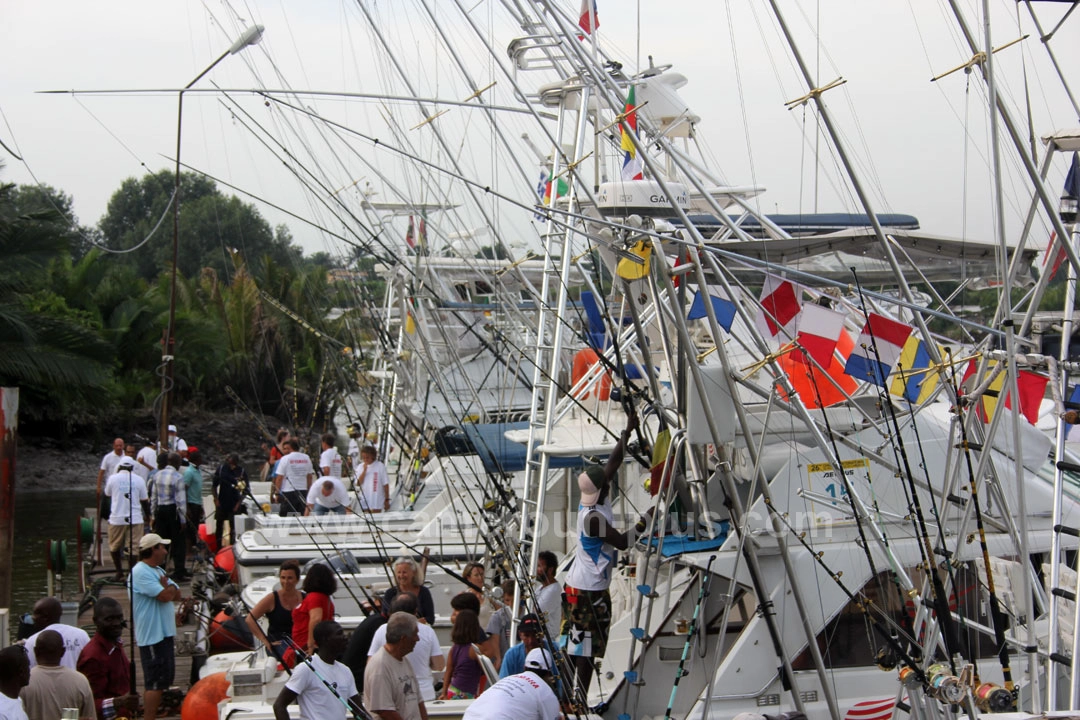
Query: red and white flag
x,y
779,306
871,710
588,20
817,332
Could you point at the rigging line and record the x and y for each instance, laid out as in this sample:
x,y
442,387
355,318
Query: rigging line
x,y
941,602
327,191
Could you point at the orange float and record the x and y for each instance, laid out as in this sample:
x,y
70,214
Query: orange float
x,y
202,699
225,562
813,385
584,359
222,638
208,537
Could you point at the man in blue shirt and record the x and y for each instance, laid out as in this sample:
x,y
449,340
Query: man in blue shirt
x,y
513,662
193,483
152,596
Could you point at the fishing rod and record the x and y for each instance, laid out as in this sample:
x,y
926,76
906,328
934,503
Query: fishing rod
x,y
940,598
706,585
357,710
997,616
860,600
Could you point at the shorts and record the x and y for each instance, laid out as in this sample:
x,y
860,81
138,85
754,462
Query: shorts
x,y
586,620
118,537
159,664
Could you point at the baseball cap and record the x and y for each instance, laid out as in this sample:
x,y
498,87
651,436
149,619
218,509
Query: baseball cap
x,y
127,463
530,624
151,539
589,483
172,428
539,660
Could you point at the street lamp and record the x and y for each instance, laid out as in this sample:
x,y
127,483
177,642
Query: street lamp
x,y
249,37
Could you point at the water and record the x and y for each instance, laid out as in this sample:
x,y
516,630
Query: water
x,y
41,516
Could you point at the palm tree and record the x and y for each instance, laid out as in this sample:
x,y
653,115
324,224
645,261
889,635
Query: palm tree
x,y
50,350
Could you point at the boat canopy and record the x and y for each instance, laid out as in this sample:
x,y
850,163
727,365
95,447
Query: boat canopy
x,y
500,454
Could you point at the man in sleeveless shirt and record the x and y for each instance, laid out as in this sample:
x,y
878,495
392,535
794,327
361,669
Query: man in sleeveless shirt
x,y
586,601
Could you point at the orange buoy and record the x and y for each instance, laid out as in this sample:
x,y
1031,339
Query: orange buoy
x,y
814,386
225,562
208,537
584,359
222,637
202,699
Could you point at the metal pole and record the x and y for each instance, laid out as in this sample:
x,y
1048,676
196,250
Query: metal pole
x,y
250,36
9,424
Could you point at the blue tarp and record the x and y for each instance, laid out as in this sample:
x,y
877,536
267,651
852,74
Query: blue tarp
x,y
502,455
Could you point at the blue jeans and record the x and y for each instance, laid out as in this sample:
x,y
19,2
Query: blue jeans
x,y
318,509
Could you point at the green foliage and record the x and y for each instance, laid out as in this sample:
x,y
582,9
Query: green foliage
x,y
81,330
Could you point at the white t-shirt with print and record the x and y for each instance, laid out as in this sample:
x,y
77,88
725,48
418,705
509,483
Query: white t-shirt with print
x,y
314,698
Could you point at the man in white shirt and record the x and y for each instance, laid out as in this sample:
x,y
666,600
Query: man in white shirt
x,y
353,453
309,681
176,443
46,615
330,461
549,593
426,657
129,505
146,458
372,482
293,479
327,496
14,676
526,696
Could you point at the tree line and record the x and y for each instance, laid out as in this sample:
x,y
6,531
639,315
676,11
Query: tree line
x,y
81,327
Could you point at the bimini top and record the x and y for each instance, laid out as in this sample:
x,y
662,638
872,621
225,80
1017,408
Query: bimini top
x,y
500,454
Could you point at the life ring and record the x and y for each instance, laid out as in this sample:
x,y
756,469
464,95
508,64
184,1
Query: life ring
x,y
584,359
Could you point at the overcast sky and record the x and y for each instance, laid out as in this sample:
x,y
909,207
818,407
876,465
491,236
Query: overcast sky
x,y
922,148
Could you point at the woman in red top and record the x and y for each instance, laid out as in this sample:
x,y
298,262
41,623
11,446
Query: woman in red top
x,y
319,585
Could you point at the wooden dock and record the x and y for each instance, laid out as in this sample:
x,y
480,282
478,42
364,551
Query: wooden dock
x,y
100,583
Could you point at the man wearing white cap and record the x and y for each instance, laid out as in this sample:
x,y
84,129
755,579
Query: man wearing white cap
x,y
152,596
129,504
176,443
586,601
526,696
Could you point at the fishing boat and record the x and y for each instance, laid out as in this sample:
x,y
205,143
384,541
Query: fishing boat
x,y
850,508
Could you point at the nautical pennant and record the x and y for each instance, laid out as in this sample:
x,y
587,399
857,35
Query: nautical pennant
x,y
1074,399
410,237
1072,189
722,307
877,350
657,477
817,331
588,19
1031,387
912,380
631,167
780,306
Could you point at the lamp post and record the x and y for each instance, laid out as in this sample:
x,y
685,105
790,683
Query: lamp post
x,y
249,37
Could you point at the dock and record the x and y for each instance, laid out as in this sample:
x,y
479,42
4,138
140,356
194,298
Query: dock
x,y
100,583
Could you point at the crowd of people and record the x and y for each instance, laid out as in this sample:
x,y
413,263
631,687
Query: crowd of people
x,y
389,663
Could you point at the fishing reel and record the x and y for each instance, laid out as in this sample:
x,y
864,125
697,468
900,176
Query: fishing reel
x,y
990,697
943,685
886,659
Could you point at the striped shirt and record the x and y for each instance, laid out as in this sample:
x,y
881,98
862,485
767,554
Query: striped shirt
x,y
169,489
